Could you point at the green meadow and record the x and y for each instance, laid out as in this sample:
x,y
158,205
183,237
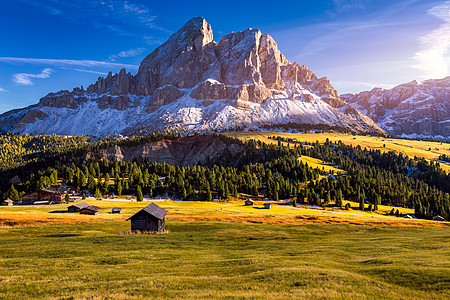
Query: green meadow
x,y
101,260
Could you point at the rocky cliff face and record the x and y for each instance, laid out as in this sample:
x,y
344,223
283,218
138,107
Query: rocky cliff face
x,y
186,151
414,108
193,83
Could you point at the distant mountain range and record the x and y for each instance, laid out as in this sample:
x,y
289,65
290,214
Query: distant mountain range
x,y
414,109
195,84
191,83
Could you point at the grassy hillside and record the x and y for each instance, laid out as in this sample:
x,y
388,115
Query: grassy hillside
x,y
425,149
217,260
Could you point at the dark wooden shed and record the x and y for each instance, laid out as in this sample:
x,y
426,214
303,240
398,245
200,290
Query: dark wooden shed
x,y
267,205
149,219
249,202
90,210
116,210
77,207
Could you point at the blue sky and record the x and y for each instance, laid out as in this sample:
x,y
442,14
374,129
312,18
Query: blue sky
x,y
49,45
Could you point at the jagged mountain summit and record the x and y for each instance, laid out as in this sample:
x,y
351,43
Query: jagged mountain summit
x,y
414,109
193,83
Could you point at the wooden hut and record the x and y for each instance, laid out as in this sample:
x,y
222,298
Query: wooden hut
x,y
7,202
267,205
149,219
249,202
77,207
90,210
116,210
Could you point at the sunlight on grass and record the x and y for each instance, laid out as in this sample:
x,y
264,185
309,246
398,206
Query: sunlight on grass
x,y
427,150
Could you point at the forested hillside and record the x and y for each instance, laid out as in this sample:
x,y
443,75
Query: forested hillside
x,y
275,171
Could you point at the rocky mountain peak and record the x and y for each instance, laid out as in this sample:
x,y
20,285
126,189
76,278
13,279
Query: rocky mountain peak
x,y
191,81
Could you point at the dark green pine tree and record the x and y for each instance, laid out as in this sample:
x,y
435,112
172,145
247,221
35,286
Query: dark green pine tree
x,y
119,187
139,196
97,194
13,194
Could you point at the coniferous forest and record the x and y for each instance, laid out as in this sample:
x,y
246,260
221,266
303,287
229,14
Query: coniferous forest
x,y
275,171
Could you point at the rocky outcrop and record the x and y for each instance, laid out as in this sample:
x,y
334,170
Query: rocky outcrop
x,y
215,90
165,95
62,99
187,151
414,108
114,102
32,115
186,59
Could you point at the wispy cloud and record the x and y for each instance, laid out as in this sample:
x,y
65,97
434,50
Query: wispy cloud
x,y
66,62
128,53
115,15
349,5
25,78
85,71
432,58
152,41
2,89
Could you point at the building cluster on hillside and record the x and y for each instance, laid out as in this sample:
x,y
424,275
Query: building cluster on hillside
x,y
48,195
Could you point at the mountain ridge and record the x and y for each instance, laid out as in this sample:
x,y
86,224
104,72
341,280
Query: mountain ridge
x,y
192,83
413,109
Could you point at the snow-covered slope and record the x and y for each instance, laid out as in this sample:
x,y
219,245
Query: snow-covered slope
x,y
193,83
414,109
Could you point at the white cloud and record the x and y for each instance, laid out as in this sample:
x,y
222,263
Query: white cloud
x,y
2,89
433,58
66,62
128,53
85,71
25,78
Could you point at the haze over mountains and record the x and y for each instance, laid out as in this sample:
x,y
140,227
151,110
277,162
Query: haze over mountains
x,y
195,84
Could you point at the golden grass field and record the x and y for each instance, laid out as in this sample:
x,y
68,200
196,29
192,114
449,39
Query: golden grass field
x,y
232,211
410,148
220,251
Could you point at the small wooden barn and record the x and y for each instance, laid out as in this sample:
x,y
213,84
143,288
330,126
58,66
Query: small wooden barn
x,y
90,210
149,219
77,207
116,210
7,202
249,202
267,205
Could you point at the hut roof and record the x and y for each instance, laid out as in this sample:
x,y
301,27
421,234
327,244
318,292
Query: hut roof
x,y
53,190
154,210
80,205
8,201
91,208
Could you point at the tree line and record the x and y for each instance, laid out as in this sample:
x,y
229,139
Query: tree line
x,y
275,171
